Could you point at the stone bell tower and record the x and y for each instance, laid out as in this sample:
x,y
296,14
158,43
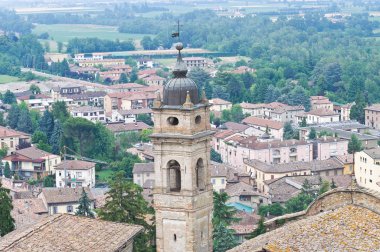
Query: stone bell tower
x,y
183,197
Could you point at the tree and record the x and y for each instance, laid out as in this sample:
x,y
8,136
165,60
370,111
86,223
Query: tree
x,y
312,134
226,115
24,123
324,187
79,135
44,146
59,111
200,77
146,118
298,203
223,214
56,138
288,131
7,170
357,110
35,89
333,185
145,135
123,78
237,113
13,116
216,157
354,145
223,238
84,208
9,97
39,136
2,121
261,229
303,122
46,123
49,181
7,222
59,46
125,203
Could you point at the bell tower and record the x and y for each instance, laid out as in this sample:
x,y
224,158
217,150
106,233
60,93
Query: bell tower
x,y
183,198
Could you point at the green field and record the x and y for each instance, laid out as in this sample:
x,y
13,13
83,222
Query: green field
x,y
7,78
65,32
104,175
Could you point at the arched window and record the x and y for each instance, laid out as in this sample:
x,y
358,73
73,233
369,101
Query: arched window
x,y
174,176
200,176
276,152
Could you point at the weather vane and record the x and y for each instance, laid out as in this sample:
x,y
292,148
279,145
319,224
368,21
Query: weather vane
x,y
176,34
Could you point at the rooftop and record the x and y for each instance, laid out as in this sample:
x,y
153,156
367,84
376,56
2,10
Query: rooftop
x,y
251,143
218,101
64,195
347,228
75,165
6,132
86,109
252,120
124,127
34,153
373,153
143,167
241,188
135,111
235,126
70,233
322,112
374,107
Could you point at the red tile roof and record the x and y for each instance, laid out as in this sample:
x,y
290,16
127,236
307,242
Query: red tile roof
x,y
252,120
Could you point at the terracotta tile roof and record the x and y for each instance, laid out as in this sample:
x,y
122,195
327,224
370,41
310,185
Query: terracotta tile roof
x,y
135,111
153,78
5,132
36,96
143,167
222,134
75,165
70,233
286,108
241,188
347,228
251,143
132,95
235,126
315,166
33,153
126,86
322,112
28,211
64,195
256,121
147,71
125,127
218,101
346,159
246,105
373,153
374,107
275,105
86,96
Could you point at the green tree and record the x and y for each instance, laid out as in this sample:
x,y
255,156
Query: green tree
x,y
44,146
13,116
354,145
333,185
59,111
84,208
125,203
298,203
261,229
223,238
303,122
274,209
49,181
79,135
146,118
288,131
223,214
145,135
226,116
123,78
39,136
237,113
59,46
35,89
2,120
324,187
9,97
200,77
24,123
46,123
312,134
56,138
7,170
126,164
357,110
7,222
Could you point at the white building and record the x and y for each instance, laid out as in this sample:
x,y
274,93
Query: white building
x,y
90,113
78,174
367,168
143,172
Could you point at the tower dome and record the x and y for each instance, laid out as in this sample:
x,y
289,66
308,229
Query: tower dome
x,y
176,89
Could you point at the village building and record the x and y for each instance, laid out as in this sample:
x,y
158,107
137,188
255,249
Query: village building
x,y
128,100
90,98
94,114
143,172
63,200
145,63
143,150
348,162
102,62
321,103
122,128
243,70
59,92
367,169
343,111
68,232
125,87
274,128
220,104
12,139
76,173
88,56
193,62
130,116
372,116
245,197
318,116
27,211
154,80
327,147
286,113
32,162
240,128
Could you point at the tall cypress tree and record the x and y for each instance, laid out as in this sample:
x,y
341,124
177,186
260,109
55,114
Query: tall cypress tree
x,y
6,221
47,123
13,115
24,123
84,208
56,137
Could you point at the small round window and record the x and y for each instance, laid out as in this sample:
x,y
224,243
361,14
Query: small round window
x,y
198,119
173,120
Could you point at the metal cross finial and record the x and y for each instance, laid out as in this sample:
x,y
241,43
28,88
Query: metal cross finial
x,y
176,34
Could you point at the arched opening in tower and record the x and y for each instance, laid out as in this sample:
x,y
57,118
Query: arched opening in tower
x,y
200,175
174,176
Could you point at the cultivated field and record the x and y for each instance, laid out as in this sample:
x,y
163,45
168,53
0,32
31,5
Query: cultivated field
x,y
7,78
